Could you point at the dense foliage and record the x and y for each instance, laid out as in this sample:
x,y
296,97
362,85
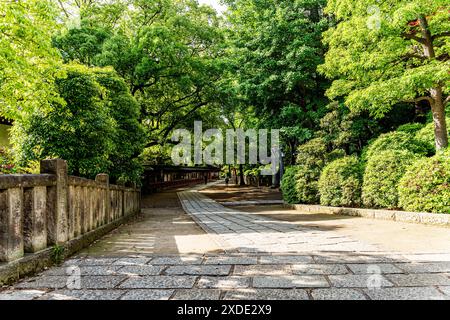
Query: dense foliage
x,y
168,52
7,165
425,186
426,134
103,84
288,185
90,129
397,140
124,162
28,62
382,53
311,158
340,183
80,129
277,48
381,176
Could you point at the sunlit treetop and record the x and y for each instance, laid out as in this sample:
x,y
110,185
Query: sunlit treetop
x,y
28,62
379,56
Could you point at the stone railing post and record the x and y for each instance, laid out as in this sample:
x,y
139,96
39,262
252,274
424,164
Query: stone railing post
x,y
11,225
35,219
103,178
57,201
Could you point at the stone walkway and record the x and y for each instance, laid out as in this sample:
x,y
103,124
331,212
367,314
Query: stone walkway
x,y
242,232
263,258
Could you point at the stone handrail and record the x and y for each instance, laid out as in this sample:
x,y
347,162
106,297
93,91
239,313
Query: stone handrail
x,y
42,210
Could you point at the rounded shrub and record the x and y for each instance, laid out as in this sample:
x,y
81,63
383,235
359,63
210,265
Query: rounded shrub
x,y
288,185
381,176
397,140
307,185
340,183
311,158
312,153
425,187
410,128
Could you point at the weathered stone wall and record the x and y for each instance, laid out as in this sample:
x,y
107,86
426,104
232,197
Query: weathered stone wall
x,y
39,211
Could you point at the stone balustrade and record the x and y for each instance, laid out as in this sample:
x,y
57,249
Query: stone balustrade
x,y
39,211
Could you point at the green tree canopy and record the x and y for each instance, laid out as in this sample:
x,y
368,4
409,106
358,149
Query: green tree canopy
x,y
381,53
96,129
28,62
276,49
168,52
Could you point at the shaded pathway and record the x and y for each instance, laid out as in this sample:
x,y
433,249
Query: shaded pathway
x,y
263,258
243,232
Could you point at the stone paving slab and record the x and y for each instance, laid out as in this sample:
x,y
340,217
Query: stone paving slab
x,y
186,260
374,268
411,293
83,295
289,282
159,282
266,294
44,282
319,269
209,270
145,294
140,270
258,270
101,282
227,260
432,267
132,261
251,202
197,294
207,282
21,294
83,271
358,281
95,261
337,294
419,279
285,259
354,258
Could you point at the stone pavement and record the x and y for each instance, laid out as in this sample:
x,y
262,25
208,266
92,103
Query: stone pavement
x,y
239,276
243,232
263,258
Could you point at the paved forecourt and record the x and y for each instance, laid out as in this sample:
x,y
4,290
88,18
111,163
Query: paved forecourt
x,y
263,258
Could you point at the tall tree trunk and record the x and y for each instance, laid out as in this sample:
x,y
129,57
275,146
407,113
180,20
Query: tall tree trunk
x,y
440,125
437,105
241,175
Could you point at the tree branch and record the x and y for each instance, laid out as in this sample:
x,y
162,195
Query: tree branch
x,y
421,99
447,100
440,35
413,55
63,9
413,37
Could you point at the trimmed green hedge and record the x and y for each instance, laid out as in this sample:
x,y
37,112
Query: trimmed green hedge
x,y
311,158
288,185
381,176
425,187
397,140
410,128
340,183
